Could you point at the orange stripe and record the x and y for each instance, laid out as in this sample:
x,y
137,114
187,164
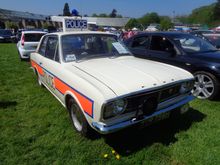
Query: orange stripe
x,y
86,104
39,69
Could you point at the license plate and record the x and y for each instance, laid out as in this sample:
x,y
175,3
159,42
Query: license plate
x,y
160,117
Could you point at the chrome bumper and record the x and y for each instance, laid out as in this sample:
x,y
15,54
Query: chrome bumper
x,y
106,129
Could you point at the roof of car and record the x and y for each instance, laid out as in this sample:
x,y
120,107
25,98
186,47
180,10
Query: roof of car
x,y
31,31
80,32
164,33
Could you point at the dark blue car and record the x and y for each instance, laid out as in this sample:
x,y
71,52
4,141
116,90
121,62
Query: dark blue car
x,y
183,50
6,36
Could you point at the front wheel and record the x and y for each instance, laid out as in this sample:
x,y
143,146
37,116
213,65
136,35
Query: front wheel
x,y
206,85
78,119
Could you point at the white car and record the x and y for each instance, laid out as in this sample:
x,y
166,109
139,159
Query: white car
x,y
103,86
28,43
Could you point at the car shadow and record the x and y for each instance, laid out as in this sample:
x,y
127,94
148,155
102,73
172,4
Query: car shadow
x,y
132,139
6,104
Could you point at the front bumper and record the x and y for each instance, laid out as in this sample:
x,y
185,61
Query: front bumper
x,y
106,129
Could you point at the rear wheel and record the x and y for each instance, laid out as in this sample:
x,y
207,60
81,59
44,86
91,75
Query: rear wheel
x,y
78,119
206,85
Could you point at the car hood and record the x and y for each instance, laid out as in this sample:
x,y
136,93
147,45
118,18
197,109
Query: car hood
x,y
209,56
126,74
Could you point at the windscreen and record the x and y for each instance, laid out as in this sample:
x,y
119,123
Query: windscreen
x,y
87,46
192,44
5,32
215,40
33,37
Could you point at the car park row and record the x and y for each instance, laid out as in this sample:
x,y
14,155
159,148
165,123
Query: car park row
x,y
105,88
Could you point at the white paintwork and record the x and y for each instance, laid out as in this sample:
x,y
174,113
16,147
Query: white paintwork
x,y
104,79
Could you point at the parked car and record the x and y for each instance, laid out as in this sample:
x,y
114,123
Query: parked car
x,y
201,32
28,43
6,36
214,39
183,50
103,86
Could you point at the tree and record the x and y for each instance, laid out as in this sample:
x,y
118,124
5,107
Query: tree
x,y
149,18
165,23
132,23
103,15
216,12
66,10
113,13
11,25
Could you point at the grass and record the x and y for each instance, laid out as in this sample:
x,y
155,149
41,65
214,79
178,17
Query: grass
x,y
36,129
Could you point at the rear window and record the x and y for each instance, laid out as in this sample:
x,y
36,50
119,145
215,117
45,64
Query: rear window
x,y
33,37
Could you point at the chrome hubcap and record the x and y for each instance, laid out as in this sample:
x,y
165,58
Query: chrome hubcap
x,y
76,117
203,87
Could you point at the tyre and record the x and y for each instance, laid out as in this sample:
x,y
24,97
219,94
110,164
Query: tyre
x,y
78,119
206,85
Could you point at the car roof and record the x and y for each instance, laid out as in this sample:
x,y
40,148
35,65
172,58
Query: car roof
x,y
212,34
167,33
30,32
80,32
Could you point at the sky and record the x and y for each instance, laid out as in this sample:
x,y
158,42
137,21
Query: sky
x,y
128,8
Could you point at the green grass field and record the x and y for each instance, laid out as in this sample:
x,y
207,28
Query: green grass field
x,y
36,129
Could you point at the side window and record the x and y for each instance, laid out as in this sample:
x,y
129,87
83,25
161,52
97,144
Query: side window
x,y
160,43
140,42
42,48
51,47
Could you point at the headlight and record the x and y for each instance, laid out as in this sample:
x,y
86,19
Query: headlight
x,y
114,108
1,37
186,87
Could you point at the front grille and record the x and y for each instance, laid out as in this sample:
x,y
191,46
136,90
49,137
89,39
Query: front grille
x,y
138,101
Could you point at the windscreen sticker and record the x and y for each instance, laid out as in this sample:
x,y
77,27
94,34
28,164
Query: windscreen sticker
x,y
120,48
70,57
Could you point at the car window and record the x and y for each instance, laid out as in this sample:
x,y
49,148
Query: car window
x,y
140,42
33,37
42,48
160,43
51,48
86,46
192,44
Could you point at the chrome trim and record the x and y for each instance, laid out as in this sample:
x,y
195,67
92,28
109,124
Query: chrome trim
x,y
106,129
153,89
149,90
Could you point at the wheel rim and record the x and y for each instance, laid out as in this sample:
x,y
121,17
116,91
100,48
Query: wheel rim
x,y
203,87
76,117
38,80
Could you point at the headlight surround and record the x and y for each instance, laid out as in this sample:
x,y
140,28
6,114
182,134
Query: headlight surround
x,y
186,87
114,108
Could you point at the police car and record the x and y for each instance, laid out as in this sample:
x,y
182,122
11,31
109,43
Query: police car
x,y
102,85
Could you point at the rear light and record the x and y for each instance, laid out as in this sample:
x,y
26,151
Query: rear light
x,y
22,40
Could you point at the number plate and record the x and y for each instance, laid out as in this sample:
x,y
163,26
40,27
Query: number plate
x,y
156,118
